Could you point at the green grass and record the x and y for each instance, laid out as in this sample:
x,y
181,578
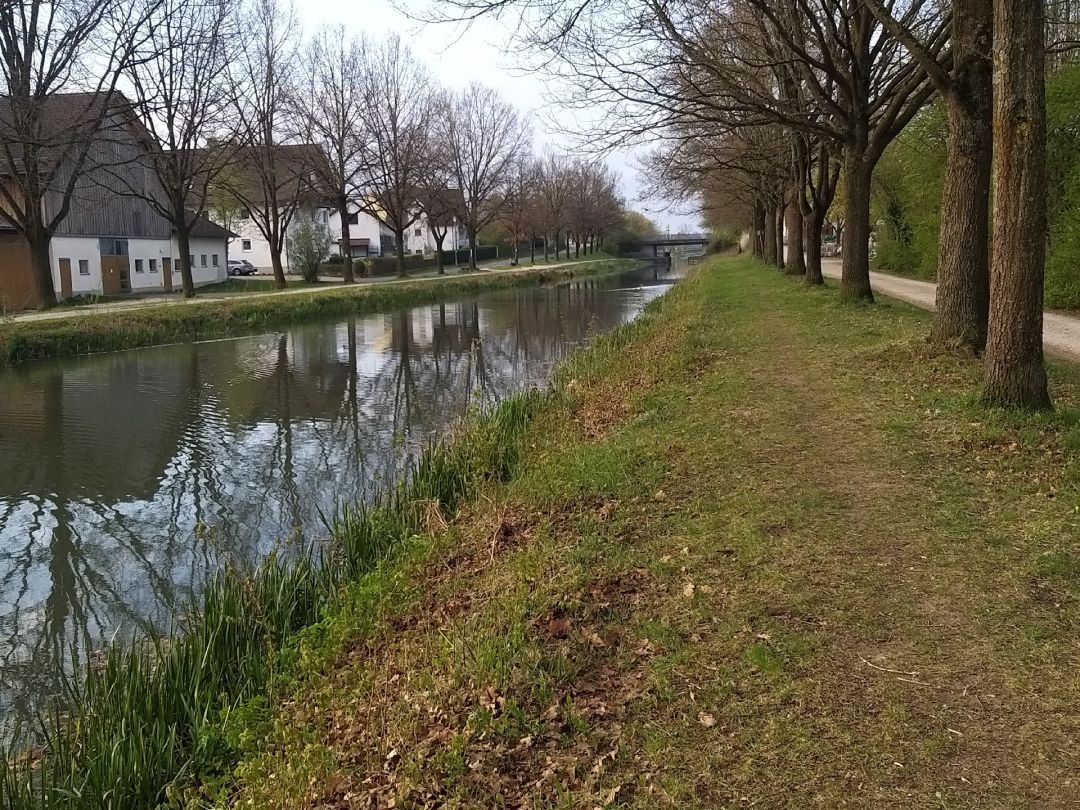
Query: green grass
x,y
146,326
248,285
761,549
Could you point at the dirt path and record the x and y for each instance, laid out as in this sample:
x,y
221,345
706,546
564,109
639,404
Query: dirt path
x,y
1061,333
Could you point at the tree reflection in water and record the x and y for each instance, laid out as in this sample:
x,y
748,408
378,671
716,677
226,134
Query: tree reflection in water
x,y
126,479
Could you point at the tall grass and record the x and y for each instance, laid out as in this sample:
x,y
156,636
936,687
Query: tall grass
x,y
21,341
145,718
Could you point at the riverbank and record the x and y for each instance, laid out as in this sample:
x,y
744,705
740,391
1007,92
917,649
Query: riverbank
x,y
761,550
82,332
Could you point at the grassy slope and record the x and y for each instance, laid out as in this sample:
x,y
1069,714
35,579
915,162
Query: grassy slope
x,y
763,553
147,326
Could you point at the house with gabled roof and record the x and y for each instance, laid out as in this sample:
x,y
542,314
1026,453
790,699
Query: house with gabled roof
x,y
109,243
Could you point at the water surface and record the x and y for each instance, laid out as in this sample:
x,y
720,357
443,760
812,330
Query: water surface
x,y
127,478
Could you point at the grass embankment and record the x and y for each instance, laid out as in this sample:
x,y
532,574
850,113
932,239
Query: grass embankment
x,y
762,551
171,323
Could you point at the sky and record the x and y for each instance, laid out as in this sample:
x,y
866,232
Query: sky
x,y
457,56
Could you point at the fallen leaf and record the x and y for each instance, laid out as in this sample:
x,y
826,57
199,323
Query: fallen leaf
x,y
558,628
706,719
688,590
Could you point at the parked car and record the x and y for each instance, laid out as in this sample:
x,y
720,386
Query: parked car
x,y
241,267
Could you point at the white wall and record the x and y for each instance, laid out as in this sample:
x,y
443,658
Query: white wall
x,y
142,250
426,240
366,227
257,249
75,248
203,246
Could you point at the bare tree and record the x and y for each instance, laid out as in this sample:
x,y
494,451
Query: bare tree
x,y
179,94
398,97
484,135
267,178
595,206
329,105
1015,373
553,197
60,63
516,203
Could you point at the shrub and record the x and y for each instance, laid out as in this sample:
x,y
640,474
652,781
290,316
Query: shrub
x,y
309,245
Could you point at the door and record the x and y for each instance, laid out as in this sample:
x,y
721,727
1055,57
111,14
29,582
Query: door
x,y
65,278
114,267
166,272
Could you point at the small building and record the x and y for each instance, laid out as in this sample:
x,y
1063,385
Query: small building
x,y
116,265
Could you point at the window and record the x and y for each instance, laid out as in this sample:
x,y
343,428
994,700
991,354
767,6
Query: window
x,y
138,266
202,260
416,232
245,245
153,265
192,257
354,218
113,247
213,260
84,267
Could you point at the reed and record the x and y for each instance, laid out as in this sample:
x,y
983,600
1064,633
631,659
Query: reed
x,y
146,719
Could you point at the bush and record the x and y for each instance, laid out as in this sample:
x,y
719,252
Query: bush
x,y
309,246
1063,261
724,239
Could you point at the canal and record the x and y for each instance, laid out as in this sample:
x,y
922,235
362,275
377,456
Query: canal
x,y
127,478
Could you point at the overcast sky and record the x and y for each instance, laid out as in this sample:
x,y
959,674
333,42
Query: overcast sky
x,y
457,57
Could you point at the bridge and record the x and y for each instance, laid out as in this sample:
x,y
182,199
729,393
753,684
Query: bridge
x,y
700,240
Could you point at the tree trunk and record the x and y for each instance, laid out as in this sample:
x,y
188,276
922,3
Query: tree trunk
x,y
439,251
183,244
346,242
855,278
546,253
277,247
1015,374
770,235
532,248
472,249
399,236
963,278
556,245
514,259
780,209
813,225
278,267
758,248
577,246
796,264
38,242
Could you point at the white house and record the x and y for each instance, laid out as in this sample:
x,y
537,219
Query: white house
x,y
368,235
420,239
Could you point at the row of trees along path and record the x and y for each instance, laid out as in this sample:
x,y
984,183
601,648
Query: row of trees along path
x,y
778,110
